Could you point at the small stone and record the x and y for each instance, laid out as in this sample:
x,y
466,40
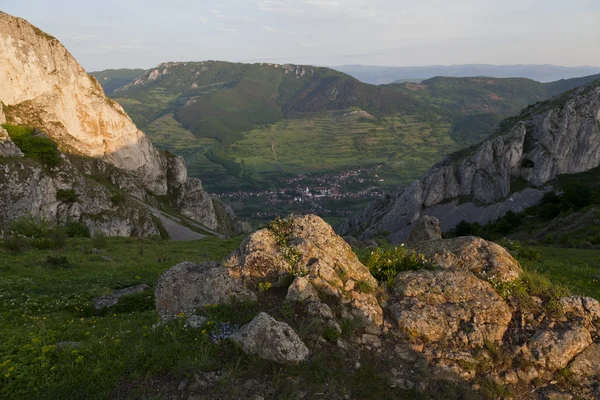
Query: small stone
x,y
63,345
113,298
107,258
182,385
301,290
272,340
195,322
511,378
371,340
320,310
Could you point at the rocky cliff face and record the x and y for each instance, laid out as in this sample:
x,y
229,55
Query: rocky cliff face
x,y
43,86
560,136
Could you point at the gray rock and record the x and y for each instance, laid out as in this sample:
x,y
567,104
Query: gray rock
x,y
553,349
195,322
187,287
113,298
585,368
426,229
7,147
301,290
561,139
271,340
67,345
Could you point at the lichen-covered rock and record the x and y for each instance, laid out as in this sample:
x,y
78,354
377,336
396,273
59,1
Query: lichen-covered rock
x,y
316,252
187,287
487,260
585,368
553,349
272,340
453,308
113,298
585,310
426,229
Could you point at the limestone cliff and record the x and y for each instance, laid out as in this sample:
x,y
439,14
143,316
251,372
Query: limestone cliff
x,y
560,136
43,86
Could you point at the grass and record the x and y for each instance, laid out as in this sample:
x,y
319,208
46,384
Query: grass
x,y
46,299
42,303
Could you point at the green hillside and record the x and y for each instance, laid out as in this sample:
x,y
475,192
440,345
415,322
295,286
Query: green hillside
x,y
112,79
249,125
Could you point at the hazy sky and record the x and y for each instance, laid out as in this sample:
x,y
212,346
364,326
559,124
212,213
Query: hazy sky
x,y
133,33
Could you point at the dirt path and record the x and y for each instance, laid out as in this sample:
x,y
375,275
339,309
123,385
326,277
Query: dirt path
x,y
175,229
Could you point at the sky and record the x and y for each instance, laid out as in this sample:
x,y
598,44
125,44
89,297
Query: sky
x,y
142,34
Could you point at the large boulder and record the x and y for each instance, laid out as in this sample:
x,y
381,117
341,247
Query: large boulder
x,y
453,308
487,260
585,368
311,249
187,287
272,340
426,229
553,349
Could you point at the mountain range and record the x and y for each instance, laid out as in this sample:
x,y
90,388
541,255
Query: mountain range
x,y
242,125
544,73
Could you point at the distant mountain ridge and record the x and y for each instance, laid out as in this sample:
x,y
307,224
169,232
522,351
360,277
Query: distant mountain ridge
x,y
379,75
231,120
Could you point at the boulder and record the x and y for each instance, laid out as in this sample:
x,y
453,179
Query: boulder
x,y
553,349
271,340
426,229
585,310
487,260
187,287
314,251
113,298
451,307
585,368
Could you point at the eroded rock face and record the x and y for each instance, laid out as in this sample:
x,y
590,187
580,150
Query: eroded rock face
x,y
323,257
47,89
487,260
7,147
549,141
272,340
188,287
426,229
28,188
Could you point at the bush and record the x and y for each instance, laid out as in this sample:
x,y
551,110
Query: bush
x,y
386,264
38,232
118,199
34,144
77,229
577,196
58,262
16,243
68,196
519,251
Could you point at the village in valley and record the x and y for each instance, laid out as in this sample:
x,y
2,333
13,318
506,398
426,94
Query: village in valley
x,y
332,194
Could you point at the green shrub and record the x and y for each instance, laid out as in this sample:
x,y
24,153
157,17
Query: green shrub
x,y
38,232
34,144
99,240
58,262
16,243
519,251
118,199
282,229
77,229
386,264
68,196
330,333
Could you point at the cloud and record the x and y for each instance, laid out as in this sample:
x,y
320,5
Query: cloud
x,y
202,20
280,6
269,29
327,4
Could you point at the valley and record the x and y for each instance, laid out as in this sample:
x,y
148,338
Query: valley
x,y
248,128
